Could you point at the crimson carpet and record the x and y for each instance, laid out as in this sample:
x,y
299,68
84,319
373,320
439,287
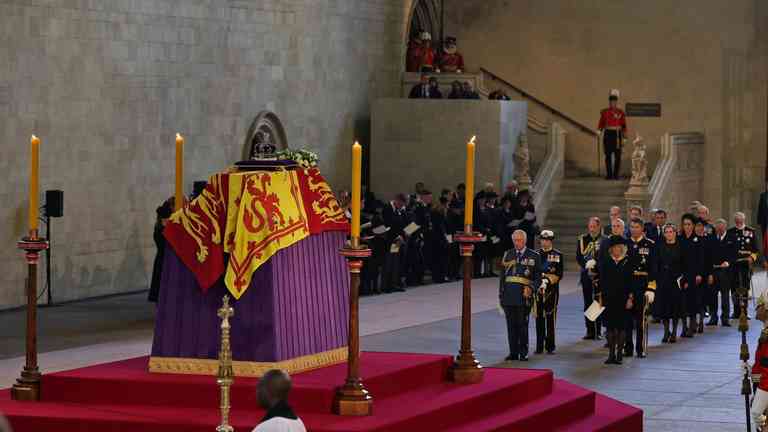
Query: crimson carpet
x,y
410,394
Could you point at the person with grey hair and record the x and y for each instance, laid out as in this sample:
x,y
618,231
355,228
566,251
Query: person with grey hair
x,y
746,256
522,275
722,251
272,392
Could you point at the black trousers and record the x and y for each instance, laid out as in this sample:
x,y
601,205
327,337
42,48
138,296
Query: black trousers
x,y
390,278
517,328
588,291
636,323
612,151
546,318
723,282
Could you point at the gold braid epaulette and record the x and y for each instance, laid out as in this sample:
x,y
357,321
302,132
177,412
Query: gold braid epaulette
x,y
763,336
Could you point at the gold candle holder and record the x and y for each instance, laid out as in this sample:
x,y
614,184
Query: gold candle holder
x,y
225,376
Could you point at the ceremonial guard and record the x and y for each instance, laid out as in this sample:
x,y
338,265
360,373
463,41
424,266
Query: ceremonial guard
x,y
522,274
587,251
616,278
451,60
746,243
548,296
613,127
642,255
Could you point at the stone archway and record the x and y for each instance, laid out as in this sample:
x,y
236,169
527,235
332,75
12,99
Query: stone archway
x,y
266,128
425,16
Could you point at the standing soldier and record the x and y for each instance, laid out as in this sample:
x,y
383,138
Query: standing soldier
x,y
522,274
613,127
586,255
746,243
642,255
548,296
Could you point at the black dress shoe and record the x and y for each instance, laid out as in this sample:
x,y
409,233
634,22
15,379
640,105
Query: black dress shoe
x,y
539,351
628,352
588,337
726,324
610,360
712,322
618,361
523,357
641,355
550,352
511,357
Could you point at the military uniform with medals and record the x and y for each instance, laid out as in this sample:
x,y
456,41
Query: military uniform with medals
x,y
613,124
588,249
547,298
642,255
522,270
746,243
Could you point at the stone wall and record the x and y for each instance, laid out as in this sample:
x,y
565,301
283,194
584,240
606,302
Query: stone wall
x,y
106,84
425,140
703,60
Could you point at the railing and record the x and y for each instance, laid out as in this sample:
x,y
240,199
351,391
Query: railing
x,y
549,177
581,126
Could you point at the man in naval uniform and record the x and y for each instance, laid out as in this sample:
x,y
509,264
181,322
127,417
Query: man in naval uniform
x,y
746,244
522,275
642,255
548,297
587,251
613,127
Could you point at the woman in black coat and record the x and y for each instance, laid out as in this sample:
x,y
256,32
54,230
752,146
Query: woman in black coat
x,y
616,295
163,213
692,250
669,298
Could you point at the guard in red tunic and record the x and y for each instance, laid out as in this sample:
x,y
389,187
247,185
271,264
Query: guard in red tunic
x,y
613,127
451,60
421,55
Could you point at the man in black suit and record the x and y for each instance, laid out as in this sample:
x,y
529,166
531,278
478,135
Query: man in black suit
x,y
655,231
426,89
396,219
722,251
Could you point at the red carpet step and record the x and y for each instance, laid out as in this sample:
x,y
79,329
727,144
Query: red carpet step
x,y
410,394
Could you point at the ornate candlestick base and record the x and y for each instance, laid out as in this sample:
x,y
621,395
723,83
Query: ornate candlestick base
x,y
466,369
27,387
352,399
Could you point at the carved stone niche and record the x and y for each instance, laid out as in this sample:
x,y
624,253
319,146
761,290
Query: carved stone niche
x,y
265,137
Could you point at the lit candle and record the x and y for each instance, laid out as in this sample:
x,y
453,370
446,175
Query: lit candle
x,y
357,164
469,202
179,200
34,184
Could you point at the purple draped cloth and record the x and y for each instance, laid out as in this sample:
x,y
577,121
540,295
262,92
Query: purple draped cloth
x,y
297,305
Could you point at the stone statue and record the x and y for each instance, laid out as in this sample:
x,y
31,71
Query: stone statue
x,y
639,162
523,161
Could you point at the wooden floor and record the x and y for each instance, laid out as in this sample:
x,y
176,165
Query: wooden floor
x,y
692,385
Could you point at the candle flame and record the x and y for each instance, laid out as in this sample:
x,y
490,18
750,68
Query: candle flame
x,y
473,139
35,139
178,136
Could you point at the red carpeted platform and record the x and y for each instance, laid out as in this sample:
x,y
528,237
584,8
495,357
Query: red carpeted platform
x,y
410,394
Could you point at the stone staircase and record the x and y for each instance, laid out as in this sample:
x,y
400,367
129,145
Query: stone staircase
x,y
578,199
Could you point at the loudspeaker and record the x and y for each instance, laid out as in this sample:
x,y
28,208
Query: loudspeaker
x,y
54,203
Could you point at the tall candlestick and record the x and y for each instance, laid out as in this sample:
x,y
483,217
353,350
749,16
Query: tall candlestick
x,y
179,200
357,164
469,201
34,184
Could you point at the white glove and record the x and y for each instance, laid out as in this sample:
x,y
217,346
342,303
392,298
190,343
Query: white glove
x,y
650,296
725,264
590,264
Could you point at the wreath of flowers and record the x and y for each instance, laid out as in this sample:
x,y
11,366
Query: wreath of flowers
x,y
305,158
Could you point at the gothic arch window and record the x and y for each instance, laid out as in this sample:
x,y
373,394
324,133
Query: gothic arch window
x,y
266,131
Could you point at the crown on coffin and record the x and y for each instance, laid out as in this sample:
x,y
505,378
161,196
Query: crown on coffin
x,y
263,147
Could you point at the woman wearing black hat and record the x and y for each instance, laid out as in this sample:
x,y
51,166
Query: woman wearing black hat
x,y
692,251
616,295
669,298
